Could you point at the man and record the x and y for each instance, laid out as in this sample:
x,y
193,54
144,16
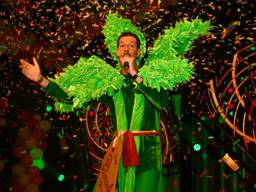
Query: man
x,y
148,171
141,110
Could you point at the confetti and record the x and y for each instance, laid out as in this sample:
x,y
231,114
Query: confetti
x,y
67,30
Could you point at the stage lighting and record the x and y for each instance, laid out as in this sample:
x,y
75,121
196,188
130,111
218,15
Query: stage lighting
x,y
197,147
61,177
39,163
48,108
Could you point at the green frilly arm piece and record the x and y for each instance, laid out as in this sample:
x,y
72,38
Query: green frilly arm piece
x,y
114,27
88,80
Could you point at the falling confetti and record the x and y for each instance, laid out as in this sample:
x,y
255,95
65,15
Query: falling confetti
x,y
59,32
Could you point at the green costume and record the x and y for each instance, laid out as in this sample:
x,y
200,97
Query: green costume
x,y
136,108
133,107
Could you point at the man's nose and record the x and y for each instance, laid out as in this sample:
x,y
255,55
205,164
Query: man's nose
x,y
126,48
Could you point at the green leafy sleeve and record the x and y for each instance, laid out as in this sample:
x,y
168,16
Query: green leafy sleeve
x,y
177,41
165,67
166,74
89,79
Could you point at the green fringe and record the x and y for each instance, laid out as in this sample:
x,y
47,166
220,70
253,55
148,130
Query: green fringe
x,y
114,27
164,67
166,74
178,40
87,80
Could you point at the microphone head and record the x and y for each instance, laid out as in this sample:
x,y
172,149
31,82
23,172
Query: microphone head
x,y
126,65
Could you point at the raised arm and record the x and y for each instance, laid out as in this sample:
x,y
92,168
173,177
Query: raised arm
x,y
33,72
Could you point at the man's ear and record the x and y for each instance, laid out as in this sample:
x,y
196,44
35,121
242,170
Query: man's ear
x,y
138,54
117,52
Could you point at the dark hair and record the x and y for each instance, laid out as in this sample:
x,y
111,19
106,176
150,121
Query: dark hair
x,y
124,34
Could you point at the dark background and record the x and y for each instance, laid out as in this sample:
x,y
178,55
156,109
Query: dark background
x,y
59,32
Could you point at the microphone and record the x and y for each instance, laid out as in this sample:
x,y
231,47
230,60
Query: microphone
x,y
126,65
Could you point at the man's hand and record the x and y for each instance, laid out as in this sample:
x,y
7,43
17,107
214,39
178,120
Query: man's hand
x,y
132,68
33,72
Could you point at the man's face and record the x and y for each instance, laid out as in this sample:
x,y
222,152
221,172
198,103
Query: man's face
x,y
127,48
